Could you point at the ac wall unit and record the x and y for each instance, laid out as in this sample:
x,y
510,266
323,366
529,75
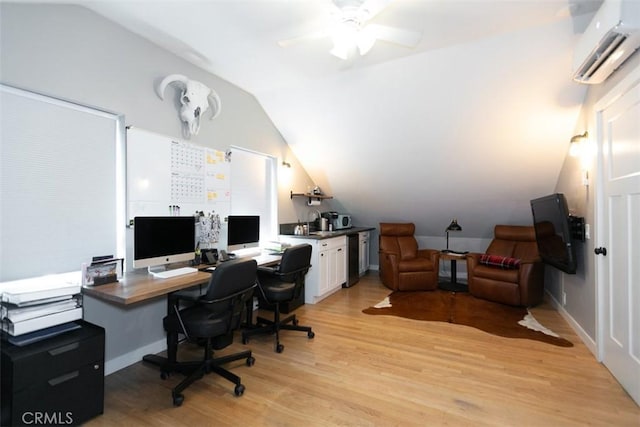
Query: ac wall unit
x,y
611,37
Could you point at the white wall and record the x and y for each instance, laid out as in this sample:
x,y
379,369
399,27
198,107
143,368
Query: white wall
x,y
580,288
71,53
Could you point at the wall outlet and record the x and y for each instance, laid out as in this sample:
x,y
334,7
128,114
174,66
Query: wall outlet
x,y
564,298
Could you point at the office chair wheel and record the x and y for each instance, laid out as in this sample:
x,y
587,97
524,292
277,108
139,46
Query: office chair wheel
x,y
245,341
164,375
311,334
295,322
251,361
279,348
178,399
239,390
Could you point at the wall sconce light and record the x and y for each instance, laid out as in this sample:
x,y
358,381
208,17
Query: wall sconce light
x,y
575,148
454,226
286,164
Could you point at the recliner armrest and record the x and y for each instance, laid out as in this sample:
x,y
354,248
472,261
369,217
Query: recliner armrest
x,y
530,261
432,254
474,255
392,258
473,259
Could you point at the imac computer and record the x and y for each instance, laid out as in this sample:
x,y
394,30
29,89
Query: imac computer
x,y
162,240
243,232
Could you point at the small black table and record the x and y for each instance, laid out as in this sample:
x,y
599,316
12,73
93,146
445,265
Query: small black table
x,y
452,285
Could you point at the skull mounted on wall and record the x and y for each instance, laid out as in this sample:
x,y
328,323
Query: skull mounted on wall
x,y
196,98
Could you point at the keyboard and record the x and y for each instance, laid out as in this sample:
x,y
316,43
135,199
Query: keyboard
x,y
175,272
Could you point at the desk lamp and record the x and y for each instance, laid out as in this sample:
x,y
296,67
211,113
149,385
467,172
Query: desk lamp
x,y
454,226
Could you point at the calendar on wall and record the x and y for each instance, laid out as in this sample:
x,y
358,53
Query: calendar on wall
x,y
166,176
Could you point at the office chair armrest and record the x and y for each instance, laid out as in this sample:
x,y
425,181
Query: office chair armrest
x,y
203,300
190,295
270,270
187,295
296,271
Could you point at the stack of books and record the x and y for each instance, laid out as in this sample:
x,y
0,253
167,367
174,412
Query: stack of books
x,y
38,303
276,247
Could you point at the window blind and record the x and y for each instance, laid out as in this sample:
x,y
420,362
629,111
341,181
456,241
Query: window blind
x,y
61,185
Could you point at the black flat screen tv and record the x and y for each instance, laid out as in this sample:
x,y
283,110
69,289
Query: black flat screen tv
x,y
552,224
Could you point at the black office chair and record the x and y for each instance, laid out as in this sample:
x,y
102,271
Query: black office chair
x,y
283,283
211,320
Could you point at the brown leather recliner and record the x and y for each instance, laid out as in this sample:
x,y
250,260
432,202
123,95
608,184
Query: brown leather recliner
x,y
404,267
511,271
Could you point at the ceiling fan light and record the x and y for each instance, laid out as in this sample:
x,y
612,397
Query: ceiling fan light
x,y
365,41
344,38
340,52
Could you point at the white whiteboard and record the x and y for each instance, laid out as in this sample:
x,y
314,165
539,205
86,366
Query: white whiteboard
x,y
163,172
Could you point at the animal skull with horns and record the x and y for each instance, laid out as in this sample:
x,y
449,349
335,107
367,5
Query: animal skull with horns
x,y
195,98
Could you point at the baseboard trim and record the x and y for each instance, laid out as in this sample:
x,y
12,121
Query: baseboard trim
x,y
584,337
127,359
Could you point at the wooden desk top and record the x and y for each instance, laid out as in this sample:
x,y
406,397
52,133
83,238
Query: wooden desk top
x,y
140,286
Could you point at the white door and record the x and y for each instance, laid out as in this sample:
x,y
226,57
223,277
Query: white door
x,y
619,233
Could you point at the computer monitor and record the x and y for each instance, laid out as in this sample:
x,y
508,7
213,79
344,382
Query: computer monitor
x,y
160,240
243,232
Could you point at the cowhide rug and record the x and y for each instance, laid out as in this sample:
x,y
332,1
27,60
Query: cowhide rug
x,y
464,309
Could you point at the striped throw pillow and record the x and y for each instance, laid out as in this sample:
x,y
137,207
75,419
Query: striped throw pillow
x,y
506,263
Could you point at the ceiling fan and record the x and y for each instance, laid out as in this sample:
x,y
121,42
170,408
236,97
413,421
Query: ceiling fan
x,y
352,30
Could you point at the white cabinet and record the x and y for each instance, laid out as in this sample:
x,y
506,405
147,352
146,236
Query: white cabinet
x,y
363,251
328,270
327,273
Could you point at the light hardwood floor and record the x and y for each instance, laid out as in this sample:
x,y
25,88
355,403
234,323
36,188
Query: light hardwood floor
x,y
363,370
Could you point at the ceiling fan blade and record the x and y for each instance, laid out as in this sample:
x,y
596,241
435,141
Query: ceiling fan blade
x,y
307,37
398,36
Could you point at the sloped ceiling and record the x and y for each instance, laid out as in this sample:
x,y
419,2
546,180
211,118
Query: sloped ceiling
x,y
472,123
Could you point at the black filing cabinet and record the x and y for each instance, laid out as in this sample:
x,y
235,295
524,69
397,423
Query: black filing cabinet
x,y
56,381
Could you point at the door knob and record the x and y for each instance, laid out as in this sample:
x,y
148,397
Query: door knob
x,y
600,251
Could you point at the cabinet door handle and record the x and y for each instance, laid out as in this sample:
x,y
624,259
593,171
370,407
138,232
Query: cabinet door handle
x,y
63,378
339,249
64,349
